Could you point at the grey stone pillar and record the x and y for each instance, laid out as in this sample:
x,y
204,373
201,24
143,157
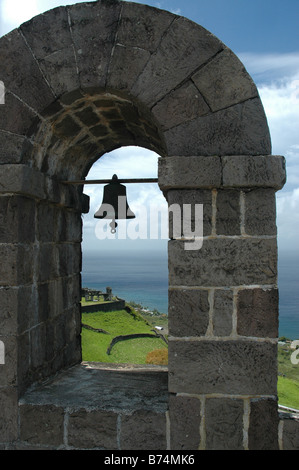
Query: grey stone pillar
x,y
223,303
40,247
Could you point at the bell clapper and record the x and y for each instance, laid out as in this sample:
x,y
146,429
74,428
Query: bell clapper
x,y
113,226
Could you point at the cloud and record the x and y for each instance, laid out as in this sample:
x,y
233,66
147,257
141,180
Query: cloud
x,y
267,68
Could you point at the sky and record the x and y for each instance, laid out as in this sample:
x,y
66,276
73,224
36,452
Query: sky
x,y
264,34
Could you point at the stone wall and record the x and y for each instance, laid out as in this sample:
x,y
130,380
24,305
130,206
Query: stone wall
x,y
105,307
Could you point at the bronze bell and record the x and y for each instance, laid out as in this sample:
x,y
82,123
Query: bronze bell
x,y
114,204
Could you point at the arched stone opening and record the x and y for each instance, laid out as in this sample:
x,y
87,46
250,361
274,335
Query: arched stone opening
x,y
173,87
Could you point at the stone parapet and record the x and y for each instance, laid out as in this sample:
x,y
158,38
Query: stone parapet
x,y
234,171
21,179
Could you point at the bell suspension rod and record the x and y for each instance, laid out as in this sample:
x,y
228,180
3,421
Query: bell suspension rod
x,y
105,181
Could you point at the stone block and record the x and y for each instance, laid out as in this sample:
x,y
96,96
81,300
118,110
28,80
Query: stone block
x,y
230,82
120,76
190,197
228,215
42,424
174,60
223,262
188,312
16,118
16,266
23,368
223,312
143,26
10,147
189,173
185,419
94,27
238,130
290,434
143,430
47,262
260,212
259,171
47,33
180,105
8,414
22,179
17,219
263,425
22,73
224,424
8,310
231,367
90,429
257,312
38,345
61,71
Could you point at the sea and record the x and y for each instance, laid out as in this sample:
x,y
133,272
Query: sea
x,y
142,277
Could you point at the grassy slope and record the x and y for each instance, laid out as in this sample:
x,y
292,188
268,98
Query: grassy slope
x,y
94,345
288,379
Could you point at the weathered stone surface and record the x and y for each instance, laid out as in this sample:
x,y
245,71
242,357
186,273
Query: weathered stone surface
x,y
238,130
93,429
21,179
8,377
233,367
224,424
22,73
188,312
257,312
290,434
260,212
41,424
8,414
16,118
10,147
191,172
231,83
93,28
223,262
256,171
47,33
180,105
119,77
192,197
228,215
143,430
49,37
143,25
16,267
263,425
222,312
17,219
61,71
185,419
174,60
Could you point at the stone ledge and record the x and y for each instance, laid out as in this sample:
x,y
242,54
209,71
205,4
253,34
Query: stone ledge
x,y
22,179
234,171
104,387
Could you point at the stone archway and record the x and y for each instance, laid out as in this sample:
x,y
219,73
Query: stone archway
x,y
85,79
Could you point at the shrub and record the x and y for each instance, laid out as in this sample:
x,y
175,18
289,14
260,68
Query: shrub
x,y
157,357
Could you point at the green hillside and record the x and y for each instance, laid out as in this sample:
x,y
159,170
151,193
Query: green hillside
x,y
117,323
